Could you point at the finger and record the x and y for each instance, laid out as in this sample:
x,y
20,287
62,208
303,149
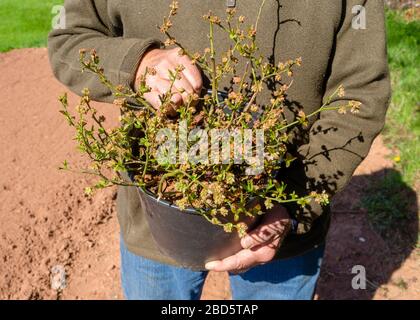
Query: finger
x,y
181,85
266,232
244,259
163,72
261,235
192,74
153,98
194,78
163,87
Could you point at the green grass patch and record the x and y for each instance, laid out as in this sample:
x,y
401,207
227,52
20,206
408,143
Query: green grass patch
x,y
26,23
402,129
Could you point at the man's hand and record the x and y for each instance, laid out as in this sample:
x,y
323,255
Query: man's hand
x,y
260,245
162,61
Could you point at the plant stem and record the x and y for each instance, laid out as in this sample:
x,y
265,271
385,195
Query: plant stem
x,y
259,14
213,70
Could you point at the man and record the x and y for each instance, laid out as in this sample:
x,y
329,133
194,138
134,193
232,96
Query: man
x,y
281,258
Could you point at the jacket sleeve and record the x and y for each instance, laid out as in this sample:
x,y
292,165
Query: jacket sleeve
x,y
88,26
338,143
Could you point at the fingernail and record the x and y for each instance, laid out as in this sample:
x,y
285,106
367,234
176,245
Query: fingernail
x,y
210,265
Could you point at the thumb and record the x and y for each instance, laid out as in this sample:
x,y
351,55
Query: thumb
x,y
273,226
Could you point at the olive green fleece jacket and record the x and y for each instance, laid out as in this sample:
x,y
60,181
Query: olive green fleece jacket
x,y
333,50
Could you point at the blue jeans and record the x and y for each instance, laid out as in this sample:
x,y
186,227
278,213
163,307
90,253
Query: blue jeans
x,y
290,279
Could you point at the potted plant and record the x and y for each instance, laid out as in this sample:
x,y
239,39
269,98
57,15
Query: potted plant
x,y
206,174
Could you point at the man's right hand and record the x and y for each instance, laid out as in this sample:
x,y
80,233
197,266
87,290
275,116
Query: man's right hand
x,y
163,60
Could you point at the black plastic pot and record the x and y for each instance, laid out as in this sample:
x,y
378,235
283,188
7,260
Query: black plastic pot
x,y
186,236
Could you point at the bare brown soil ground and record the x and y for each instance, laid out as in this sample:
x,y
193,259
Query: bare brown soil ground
x,y
47,221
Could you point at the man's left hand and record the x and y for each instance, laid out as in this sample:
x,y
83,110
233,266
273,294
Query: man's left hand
x,y
260,245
